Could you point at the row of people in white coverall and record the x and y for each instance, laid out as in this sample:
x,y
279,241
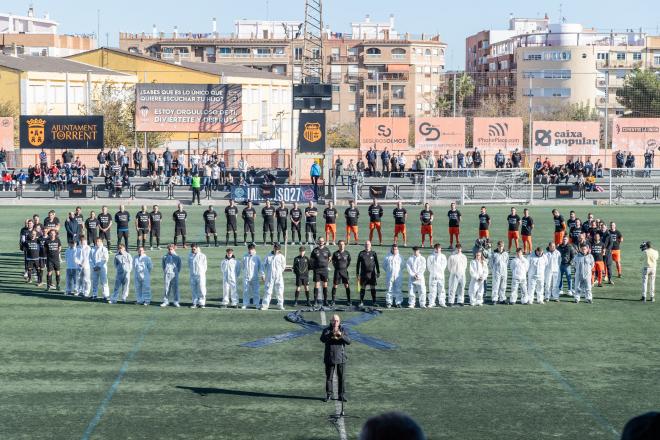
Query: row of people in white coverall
x,y
87,275
536,275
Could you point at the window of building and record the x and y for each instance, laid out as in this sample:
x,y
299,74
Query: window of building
x,y
224,52
263,52
398,53
419,69
373,52
351,107
279,51
56,95
353,88
656,59
264,113
603,56
335,88
532,56
637,56
241,52
334,51
352,51
427,52
504,65
620,56
275,96
316,53
255,96
398,110
419,106
335,107
558,56
298,53
492,67
398,91
76,94
418,88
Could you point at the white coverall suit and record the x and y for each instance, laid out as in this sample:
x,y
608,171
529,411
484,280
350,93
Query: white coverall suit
x,y
142,267
416,266
536,277
231,270
123,266
498,263
171,264
251,267
584,265
436,263
72,270
84,274
197,269
552,275
519,268
393,278
478,276
99,262
456,265
273,271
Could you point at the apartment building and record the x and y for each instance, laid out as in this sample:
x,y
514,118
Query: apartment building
x,y
573,65
557,63
54,86
489,57
32,35
374,70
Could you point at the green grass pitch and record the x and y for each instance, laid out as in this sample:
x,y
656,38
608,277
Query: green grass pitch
x,y
496,372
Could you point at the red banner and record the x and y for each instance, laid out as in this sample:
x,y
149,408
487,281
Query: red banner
x,y
635,134
384,132
492,134
440,133
7,133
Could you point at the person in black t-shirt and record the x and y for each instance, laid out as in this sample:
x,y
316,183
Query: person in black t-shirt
x,y
53,247
92,227
311,212
179,216
51,222
330,217
231,213
426,218
122,220
560,226
454,216
142,226
352,214
526,227
484,223
268,215
296,219
105,225
282,214
513,222
77,214
375,212
400,216
249,215
341,261
209,226
32,257
155,218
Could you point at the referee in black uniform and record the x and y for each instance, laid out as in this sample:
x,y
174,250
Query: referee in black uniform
x,y
341,261
155,218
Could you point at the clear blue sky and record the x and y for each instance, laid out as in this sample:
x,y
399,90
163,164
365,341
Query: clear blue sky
x,y
452,20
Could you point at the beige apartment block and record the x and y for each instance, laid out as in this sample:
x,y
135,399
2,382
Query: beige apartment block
x,y
374,70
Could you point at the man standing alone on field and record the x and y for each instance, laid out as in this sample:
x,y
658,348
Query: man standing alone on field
x,y
336,338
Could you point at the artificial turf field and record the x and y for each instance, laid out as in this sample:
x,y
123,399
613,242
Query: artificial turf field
x,y
73,369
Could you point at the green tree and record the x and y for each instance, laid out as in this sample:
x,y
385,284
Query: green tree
x,y
640,94
342,136
464,88
117,106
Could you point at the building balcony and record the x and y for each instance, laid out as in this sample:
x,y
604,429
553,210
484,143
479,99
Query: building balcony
x,y
343,59
388,76
352,78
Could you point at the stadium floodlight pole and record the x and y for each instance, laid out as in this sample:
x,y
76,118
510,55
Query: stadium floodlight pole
x,y
529,129
454,93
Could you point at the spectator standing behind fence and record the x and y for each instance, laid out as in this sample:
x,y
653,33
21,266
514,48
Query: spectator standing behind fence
x,y
402,162
196,185
385,159
243,167
648,162
167,161
339,170
3,160
151,162
315,173
137,162
371,157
